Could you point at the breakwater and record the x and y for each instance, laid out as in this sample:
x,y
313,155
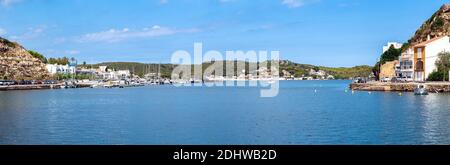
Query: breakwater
x,y
440,87
30,87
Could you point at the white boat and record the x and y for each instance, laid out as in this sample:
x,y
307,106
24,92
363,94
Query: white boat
x,y
420,90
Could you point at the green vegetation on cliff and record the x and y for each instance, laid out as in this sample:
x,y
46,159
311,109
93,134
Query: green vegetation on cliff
x,y
8,43
437,25
38,56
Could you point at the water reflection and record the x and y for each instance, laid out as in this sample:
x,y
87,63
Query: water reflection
x,y
305,112
436,116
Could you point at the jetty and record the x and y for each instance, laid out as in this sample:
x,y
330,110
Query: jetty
x,y
434,87
30,87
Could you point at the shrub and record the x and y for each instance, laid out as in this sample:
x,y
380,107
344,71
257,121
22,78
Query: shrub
x,y
437,76
38,56
437,24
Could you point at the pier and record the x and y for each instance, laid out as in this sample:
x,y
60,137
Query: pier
x,y
434,87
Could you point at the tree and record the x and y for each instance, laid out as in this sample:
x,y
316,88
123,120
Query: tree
x,y
443,61
443,64
316,68
376,70
390,55
59,61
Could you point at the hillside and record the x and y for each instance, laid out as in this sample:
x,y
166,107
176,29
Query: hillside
x,y
293,68
16,63
138,68
437,25
345,73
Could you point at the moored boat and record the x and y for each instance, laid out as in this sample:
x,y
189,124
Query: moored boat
x,y
420,90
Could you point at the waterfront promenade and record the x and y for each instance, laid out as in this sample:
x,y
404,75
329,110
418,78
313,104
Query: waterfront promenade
x,y
435,87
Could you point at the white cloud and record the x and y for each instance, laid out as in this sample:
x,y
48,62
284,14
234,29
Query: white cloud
x,y
72,52
54,52
9,2
297,3
345,5
2,32
114,35
293,3
225,1
261,28
31,33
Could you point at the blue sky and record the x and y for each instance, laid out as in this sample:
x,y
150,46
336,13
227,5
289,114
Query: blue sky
x,y
321,32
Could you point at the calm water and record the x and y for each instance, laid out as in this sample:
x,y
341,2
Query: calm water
x,y
223,115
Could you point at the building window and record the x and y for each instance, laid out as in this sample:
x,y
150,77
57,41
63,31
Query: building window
x,y
419,52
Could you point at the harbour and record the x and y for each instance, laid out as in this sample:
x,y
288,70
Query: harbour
x,y
279,72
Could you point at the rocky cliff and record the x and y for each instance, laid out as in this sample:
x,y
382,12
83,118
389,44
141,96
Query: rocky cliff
x,y
436,26
17,64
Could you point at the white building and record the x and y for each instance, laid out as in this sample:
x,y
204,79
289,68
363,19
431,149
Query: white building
x,y
389,44
320,74
123,74
405,67
116,75
64,69
426,54
102,68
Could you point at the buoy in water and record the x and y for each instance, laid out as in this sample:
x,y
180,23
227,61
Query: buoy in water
x,y
400,93
315,90
370,93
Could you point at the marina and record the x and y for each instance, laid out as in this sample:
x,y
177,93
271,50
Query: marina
x,y
225,72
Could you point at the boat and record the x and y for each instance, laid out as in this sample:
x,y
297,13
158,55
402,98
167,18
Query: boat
x,y
167,82
420,90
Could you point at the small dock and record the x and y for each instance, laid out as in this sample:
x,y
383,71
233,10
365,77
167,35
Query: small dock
x,y
30,87
434,87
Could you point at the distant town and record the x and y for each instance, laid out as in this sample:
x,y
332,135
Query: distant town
x,y
27,69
